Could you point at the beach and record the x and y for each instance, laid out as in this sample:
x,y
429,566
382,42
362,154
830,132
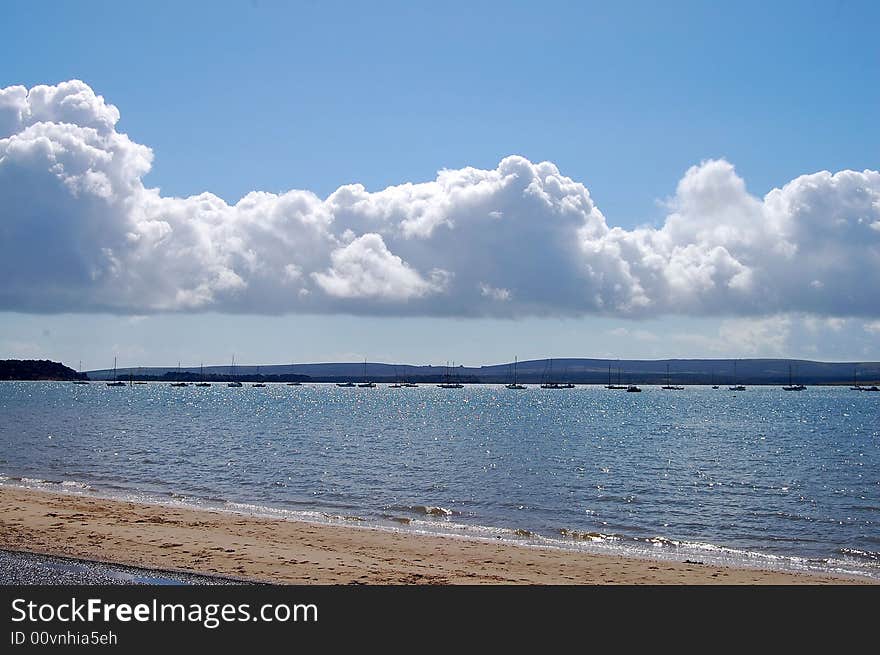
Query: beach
x,y
251,548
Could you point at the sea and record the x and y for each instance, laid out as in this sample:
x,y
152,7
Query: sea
x,y
757,478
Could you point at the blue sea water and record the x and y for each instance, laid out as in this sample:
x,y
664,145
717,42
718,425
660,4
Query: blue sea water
x,y
760,478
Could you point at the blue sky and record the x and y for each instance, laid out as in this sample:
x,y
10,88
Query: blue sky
x,y
273,96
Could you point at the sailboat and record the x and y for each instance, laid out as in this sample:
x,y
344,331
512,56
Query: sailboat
x,y
179,383
565,385
115,383
409,383
614,386
448,382
366,384
258,384
550,384
790,386
736,387
861,387
80,381
515,385
856,386
234,383
668,386
201,382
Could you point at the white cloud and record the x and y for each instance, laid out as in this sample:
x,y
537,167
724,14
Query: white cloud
x,y
816,324
873,327
365,268
757,337
494,293
640,335
81,232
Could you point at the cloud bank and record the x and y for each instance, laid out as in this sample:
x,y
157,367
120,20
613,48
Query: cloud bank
x,y
79,231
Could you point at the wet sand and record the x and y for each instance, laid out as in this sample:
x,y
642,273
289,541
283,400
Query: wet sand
x,y
293,552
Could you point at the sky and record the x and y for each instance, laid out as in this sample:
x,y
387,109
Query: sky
x,y
422,182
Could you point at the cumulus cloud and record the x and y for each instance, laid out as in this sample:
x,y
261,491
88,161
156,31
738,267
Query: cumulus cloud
x,y
767,336
365,268
79,231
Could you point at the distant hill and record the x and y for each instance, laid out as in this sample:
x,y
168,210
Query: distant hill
x,y
37,369
577,370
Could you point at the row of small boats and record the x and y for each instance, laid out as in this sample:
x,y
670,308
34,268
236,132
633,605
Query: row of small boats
x,y
450,383
630,388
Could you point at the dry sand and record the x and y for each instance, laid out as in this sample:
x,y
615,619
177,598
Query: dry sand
x,y
284,551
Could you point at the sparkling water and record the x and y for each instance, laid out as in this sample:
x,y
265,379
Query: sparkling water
x,y
762,477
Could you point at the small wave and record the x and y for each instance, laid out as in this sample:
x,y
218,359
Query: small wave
x,y
586,536
75,484
403,520
429,510
661,541
41,483
868,555
265,510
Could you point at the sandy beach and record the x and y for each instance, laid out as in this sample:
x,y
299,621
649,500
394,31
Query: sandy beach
x,y
293,552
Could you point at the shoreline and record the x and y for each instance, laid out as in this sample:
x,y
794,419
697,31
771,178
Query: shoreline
x,y
283,550
430,522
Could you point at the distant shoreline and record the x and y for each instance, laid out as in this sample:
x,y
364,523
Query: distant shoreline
x,y
26,370
432,383
684,372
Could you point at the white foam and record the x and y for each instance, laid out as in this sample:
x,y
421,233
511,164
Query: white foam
x,y
74,483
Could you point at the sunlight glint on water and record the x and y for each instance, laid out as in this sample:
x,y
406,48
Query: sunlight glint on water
x,y
761,477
